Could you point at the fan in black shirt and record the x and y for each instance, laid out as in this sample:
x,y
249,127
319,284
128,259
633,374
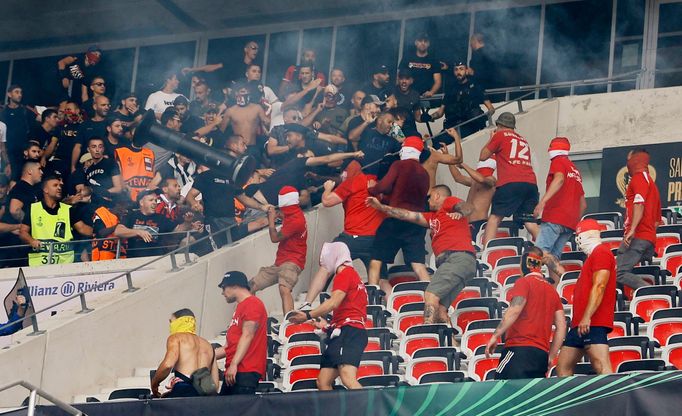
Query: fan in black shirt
x,y
103,175
424,66
379,85
95,127
376,143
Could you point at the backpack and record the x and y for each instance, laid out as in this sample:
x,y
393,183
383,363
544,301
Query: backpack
x,y
203,382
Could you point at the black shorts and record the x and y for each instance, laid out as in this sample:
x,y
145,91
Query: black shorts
x,y
182,389
245,383
394,235
522,362
346,348
518,199
597,335
360,247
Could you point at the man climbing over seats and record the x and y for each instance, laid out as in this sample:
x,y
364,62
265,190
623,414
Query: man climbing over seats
x,y
347,336
245,352
405,186
643,214
561,207
451,242
517,189
190,357
535,306
481,183
594,302
292,249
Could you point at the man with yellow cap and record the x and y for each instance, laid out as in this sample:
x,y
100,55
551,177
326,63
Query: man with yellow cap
x,y
190,357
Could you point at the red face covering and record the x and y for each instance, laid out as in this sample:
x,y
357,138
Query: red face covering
x,y
638,162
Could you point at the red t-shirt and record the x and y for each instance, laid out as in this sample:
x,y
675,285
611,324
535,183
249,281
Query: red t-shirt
x,y
643,190
294,247
406,183
512,154
250,309
360,219
600,259
564,207
446,233
533,328
353,308
289,75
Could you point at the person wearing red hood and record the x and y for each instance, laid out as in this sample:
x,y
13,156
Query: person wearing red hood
x,y
561,207
643,214
359,226
405,186
292,249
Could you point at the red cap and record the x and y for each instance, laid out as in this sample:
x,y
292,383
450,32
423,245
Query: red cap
x,y
587,225
560,143
414,142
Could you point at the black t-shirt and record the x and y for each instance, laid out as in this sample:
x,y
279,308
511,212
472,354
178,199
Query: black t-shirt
x,y
354,122
483,66
99,177
381,92
191,124
154,224
462,102
24,192
217,194
68,137
38,134
375,146
291,173
80,74
422,69
19,121
279,133
91,129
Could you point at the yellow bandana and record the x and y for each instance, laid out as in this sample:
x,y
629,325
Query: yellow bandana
x,y
183,324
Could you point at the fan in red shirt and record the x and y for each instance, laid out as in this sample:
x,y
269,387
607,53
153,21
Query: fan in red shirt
x,y
292,249
360,222
594,303
451,243
517,190
245,352
643,214
535,306
561,207
347,335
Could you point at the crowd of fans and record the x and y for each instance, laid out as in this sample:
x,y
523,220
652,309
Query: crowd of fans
x,y
71,172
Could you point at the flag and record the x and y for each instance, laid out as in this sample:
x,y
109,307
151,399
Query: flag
x,y
20,288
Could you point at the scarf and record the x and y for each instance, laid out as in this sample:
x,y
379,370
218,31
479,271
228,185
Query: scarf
x,y
334,255
184,324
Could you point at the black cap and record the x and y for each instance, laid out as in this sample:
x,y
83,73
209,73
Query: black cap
x,y
296,128
458,62
181,100
422,36
405,73
129,94
380,69
234,278
146,192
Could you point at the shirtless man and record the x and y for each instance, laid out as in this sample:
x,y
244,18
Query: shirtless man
x,y
186,352
442,156
481,183
246,117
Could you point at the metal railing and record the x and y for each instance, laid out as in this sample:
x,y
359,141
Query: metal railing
x,y
634,76
37,391
209,238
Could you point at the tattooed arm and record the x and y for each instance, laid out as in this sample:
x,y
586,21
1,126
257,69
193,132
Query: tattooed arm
x,y
464,208
512,314
399,213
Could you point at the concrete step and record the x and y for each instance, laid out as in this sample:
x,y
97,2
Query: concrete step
x,y
127,382
143,371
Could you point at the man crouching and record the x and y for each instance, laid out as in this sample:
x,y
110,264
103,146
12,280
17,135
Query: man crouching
x,y
191,358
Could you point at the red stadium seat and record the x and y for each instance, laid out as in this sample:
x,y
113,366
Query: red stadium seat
x,y
417,367
479,366
664,324
649,299
664,240
402,279
303,372
613,243
292,350
469,292
618,330
672,355
370,368
671,262
572,265
472,339
373,344
502,273
398,299
288,329
627,348
412,343
566,289
470,310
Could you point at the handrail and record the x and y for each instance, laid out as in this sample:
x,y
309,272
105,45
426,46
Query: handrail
x,y
37,391
128,276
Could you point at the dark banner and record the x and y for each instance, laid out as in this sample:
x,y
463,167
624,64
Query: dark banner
x,y
665,167
619,394
20,288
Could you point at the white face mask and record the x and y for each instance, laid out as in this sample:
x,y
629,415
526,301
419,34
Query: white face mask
x,y
409,153
588,240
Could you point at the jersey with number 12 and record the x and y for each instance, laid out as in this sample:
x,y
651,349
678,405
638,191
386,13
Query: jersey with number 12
x,y
512,154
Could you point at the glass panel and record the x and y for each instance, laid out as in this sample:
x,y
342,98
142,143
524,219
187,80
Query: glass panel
x,y
230,52
449,37
117,70
577,42
361,47
671,18
281,54
4,71
155,61
630,18
669,61
319,40
590,170
39,80
627,58
512,35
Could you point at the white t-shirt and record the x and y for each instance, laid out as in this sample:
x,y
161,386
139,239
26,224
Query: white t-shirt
x,y
159,101
269,95
3,132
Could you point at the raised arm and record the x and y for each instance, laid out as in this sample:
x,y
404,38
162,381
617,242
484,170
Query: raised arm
x,y
335,157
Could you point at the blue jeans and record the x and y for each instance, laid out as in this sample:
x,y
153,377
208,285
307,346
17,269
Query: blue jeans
x,y
553,237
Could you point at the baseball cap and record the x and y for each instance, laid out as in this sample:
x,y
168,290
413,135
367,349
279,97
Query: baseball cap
x,y
371,98
296,128
146,192
506,119
587,224
380,69
405,73
458,62
422,36
234,278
